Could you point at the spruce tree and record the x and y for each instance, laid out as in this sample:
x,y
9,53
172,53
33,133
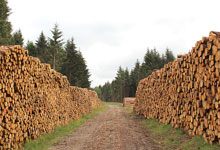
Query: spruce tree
x,y
42,48
17,38
127,83
69,66
74,66
56,48
31,49
98,91
137,73
115,97
83,73
120,80
135,78
5,25
152,59
169,57
106,91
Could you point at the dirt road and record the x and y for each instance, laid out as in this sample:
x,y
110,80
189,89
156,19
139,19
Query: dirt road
x,y
112,129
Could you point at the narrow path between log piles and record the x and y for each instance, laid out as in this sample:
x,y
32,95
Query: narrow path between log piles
x,y
112,129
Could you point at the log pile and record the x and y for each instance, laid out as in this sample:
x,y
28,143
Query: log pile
x,y
34,98
186,92
128,101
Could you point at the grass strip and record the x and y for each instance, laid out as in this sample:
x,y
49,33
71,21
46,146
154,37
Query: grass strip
x,y
113,103
129,109
174,139
47,140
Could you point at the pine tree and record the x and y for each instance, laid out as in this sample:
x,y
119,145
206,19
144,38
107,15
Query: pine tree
x,y
127,83
115,87
137,73
106,91
98,90
169,57
83,73
5,25
120,80
70,62
56,48
135,78
42,48
74,66
152,59
163,61
31,49
17,38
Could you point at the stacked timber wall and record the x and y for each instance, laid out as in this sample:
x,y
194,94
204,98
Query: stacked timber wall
x,y
128,101
186,92
34,98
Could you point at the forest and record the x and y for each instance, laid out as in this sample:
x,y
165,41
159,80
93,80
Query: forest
x,y
126,82
64,57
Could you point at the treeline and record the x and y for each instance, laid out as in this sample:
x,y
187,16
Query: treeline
x,y
6,35
126,82
62,56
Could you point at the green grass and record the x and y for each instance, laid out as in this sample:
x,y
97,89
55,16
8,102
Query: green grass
x,y
199,143
129,109
112,103
157,127
173,139
47,140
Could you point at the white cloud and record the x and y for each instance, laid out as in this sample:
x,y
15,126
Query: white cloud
x,y
117,32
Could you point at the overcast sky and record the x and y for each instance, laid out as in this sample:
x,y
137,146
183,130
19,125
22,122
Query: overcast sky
x,y
110,33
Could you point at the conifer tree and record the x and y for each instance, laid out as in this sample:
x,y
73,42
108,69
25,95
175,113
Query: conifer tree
x,y
169,56
152,59
135,78
5,25
31,49
17,38
107,92
74,66
98,91
56,48
83,73
42,48
69,66
120,80
125,83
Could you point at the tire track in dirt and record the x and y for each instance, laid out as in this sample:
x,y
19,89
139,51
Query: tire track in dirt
x,y
112,129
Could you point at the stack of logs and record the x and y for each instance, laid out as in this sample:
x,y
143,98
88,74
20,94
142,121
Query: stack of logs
x,y
34,98
128,101
186,92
